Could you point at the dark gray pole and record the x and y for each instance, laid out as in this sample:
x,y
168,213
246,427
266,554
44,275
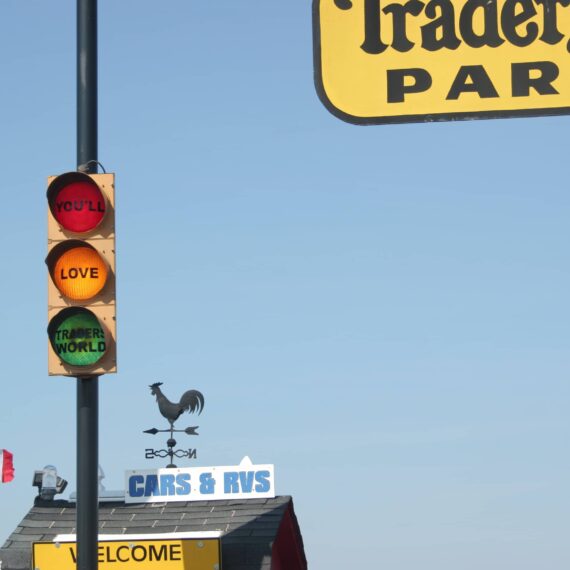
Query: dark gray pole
x,y
87,85
87,387
87,471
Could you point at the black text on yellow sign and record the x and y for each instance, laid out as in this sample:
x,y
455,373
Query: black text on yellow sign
x,y
387,61
198,554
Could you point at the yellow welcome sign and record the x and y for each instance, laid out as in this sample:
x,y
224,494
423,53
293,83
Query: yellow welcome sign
x,y
183,554
389,61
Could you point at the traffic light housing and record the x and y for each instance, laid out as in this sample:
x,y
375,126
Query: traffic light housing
x,y
81,282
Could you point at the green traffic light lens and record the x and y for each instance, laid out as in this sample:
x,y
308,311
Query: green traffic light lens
x,y
77,337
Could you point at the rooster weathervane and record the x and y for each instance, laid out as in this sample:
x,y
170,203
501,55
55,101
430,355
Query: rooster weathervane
x,y
192,401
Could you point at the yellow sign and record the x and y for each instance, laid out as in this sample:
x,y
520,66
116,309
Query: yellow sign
x,y
183,554
393,61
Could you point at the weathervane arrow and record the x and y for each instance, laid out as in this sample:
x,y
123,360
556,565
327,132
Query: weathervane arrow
x,y
188,430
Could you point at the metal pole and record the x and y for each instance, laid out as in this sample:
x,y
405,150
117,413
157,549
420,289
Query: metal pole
x,y
87,470
87,523
87,85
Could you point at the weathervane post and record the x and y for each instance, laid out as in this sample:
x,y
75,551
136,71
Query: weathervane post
x,y
87,387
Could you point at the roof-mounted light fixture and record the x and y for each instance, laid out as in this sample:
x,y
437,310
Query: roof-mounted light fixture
x,y
48,483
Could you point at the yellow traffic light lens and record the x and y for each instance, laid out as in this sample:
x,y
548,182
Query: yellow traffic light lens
x,y
80,273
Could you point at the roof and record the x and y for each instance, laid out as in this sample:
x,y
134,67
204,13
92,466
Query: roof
x,y
250,528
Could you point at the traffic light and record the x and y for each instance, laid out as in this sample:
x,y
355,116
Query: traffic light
x,y
81,265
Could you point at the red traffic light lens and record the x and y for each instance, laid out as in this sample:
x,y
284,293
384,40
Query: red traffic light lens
x,y
76,202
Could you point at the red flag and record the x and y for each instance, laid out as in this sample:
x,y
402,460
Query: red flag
x,y
7,464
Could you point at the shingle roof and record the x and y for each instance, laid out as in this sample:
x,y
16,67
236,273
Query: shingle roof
x,y
249,527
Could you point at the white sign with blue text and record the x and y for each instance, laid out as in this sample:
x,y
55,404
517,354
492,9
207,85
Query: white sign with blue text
x,y
244,481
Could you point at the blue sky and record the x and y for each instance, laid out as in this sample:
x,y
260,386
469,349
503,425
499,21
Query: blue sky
x,y
382,312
